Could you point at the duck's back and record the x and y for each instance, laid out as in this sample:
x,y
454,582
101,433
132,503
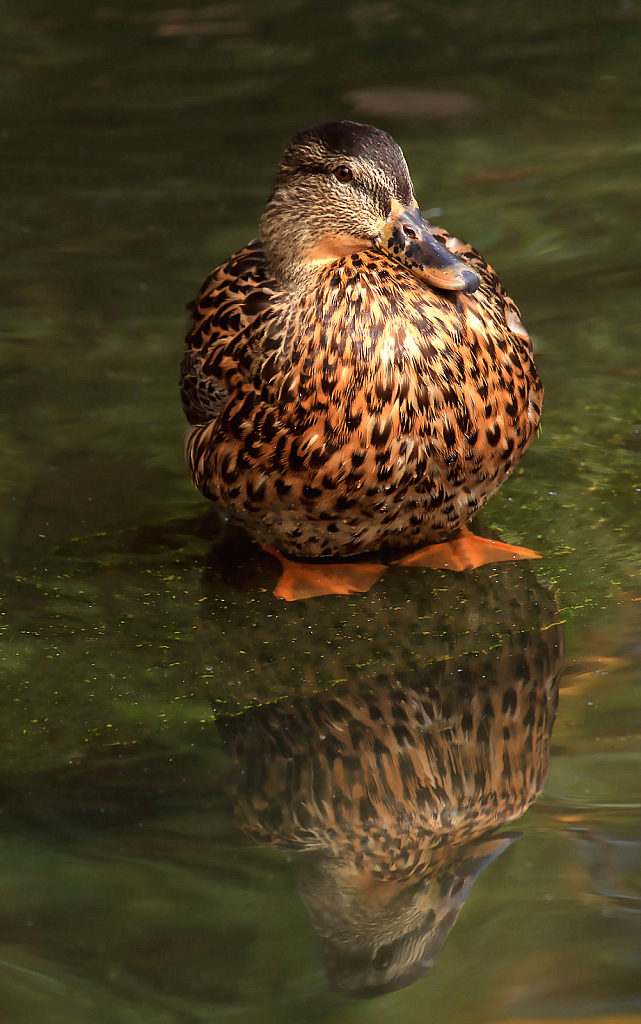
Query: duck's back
x,y
369,410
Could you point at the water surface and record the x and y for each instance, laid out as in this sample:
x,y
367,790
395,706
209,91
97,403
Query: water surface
x,y
185,824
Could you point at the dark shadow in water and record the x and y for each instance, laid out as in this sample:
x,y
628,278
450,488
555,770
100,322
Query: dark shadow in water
x,y
392,786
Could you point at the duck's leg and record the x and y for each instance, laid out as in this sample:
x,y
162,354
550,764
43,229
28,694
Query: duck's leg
x,y
300,580
465,551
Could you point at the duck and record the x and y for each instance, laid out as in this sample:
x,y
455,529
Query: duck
x,y
356,379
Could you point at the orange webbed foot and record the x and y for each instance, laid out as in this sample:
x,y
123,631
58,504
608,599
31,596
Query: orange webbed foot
x,y
300,580
466,551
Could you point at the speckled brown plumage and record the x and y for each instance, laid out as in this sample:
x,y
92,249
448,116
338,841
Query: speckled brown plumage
x,y
362,408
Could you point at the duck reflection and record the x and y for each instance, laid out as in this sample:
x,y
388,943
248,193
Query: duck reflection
x,y
393,786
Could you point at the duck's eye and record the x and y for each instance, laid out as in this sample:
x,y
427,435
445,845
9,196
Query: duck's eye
x,y
343,174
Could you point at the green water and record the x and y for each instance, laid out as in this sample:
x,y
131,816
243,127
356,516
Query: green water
x,y
158,861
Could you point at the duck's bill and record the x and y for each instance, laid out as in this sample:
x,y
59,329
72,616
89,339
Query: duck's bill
x,y
407,238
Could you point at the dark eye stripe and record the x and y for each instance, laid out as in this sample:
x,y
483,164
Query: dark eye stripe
x,y
321,169
312,169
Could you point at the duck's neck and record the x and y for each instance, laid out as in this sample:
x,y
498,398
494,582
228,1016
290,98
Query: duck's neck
x,y
299,248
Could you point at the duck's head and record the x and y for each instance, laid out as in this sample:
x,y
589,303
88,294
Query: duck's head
x,y
342,187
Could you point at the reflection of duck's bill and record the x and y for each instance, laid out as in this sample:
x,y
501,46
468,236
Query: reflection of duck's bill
x,y
481,853
407,238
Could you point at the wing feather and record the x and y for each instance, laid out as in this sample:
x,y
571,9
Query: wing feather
x,y
228,303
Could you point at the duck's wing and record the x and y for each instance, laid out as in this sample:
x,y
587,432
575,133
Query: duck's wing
x,y
228,303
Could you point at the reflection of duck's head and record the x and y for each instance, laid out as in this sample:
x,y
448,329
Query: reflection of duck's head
x,y
379,936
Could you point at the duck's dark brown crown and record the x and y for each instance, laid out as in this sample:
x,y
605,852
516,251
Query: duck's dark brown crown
x,y
310,147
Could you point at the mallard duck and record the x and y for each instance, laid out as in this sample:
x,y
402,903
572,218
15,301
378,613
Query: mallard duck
x,y
356,378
